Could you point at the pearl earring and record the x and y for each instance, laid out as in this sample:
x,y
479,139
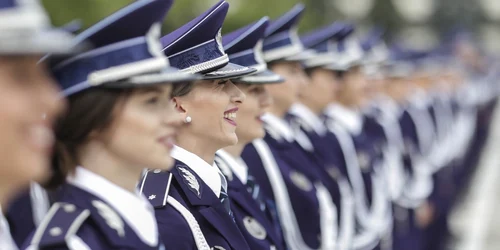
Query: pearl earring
x,y
188,119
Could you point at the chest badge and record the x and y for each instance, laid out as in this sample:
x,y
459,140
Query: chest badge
x,y
254,228
113,220
333,172
300,181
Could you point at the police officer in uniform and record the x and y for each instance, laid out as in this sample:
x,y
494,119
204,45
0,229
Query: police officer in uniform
x,y
27,93
198,214
34,200
363,162
407,167
285,172
119,111
307,116
254,213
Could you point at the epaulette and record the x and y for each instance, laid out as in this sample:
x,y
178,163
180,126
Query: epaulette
x,y
155,185
61,222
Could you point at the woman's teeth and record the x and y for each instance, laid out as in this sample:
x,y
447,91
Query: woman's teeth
x,y
230,116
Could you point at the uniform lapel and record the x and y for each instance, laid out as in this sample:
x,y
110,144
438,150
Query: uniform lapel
x,y
208,205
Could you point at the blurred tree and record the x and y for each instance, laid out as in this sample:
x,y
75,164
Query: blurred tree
x,y
450,13
89,11
241,12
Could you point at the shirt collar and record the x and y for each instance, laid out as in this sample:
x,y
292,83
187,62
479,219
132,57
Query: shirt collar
x,y
308,118
133,207
349,118
277,127
238,167
210,174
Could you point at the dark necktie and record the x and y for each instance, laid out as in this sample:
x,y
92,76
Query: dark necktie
x,y
254,189
223,197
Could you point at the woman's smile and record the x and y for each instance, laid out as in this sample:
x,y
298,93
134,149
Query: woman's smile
x,y
230,116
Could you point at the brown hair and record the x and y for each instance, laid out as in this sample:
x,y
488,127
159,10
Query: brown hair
x,y
182,89
89,111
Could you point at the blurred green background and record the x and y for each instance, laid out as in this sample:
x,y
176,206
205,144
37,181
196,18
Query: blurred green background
x,y
422,22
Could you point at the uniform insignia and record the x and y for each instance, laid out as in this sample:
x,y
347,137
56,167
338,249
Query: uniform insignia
x,y
217,248
191,181
254,228
333,172
259,55
300,181
224,168
218,39
364,161
154,45
110,216
152,197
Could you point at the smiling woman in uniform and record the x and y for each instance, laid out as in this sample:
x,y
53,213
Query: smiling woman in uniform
x,y
29,102
198,214
253,212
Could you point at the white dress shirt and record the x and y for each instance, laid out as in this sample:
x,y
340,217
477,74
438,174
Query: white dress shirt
x,y
278,127
238,166
350,119
309,118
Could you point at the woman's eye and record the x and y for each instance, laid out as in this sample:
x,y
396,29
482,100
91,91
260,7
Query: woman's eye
x,y
256,90
222,82
153,100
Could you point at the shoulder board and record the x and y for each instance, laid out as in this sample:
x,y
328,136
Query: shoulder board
x,y
61,222
155,185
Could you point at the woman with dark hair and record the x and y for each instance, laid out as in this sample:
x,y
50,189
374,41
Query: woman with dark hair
x,y
28,99
198,214
120,119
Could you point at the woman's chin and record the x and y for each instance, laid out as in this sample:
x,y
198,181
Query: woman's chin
x,y
39,170
162,163
169,164
230,140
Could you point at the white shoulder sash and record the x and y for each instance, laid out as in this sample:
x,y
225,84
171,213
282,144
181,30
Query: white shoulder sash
x,y
199,238
288,220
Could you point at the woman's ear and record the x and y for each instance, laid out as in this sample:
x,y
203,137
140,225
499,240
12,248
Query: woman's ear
x,y
179,106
